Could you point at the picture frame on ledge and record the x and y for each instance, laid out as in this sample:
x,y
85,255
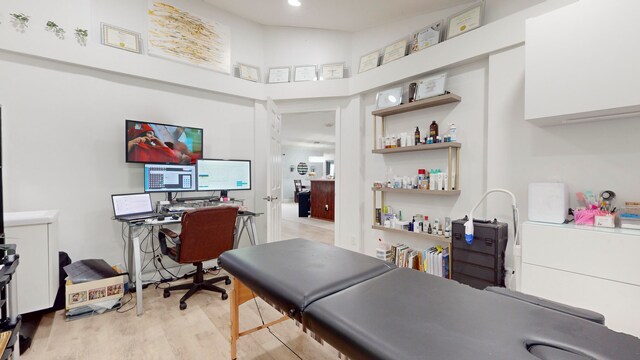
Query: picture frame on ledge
x,y
120,38
248,72
431,86
369,61
305,73
332,71
278,75
466,20
395,51
388,98
426,37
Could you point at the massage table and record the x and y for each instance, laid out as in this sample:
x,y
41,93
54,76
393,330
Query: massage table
x,y
368,309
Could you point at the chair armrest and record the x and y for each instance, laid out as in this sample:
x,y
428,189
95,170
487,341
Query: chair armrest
x,y
162,239
169,233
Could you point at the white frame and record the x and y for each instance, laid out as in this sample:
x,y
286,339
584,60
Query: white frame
x,y
383,100
413,42
249,68
304,77
474,22
391,52
104,39
431,86
337,66
365,59
277,79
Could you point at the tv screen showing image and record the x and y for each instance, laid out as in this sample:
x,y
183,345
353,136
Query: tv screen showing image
x,y
148,142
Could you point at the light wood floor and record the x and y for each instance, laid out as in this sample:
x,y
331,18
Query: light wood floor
x,y
312,229
165,332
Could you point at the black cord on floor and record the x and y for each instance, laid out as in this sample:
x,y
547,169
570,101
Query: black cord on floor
x,y
274,335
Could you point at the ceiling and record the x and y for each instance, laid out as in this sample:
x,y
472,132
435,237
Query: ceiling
x,y
346,15
309,129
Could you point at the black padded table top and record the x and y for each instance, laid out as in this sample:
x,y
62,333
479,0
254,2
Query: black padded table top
x,y
405,314
291,274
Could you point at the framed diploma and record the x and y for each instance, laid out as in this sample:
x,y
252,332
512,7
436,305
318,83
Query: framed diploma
x,y
388,98
369,61
248,72
465,21
394,51
426,37
279,75
431,86
120,38
332,71
305,73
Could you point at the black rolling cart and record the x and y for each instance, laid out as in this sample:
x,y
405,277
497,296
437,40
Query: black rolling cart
x,y
10,321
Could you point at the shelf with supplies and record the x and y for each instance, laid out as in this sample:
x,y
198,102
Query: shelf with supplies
x,y
427,236
421,147
419,191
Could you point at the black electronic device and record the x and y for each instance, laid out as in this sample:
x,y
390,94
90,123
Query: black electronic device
x,y
149,142
175,216
223,175
160,218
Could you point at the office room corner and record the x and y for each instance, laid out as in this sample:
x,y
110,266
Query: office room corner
x,y
290,179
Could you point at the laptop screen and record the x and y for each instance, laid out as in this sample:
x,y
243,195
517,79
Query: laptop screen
x,y
129,204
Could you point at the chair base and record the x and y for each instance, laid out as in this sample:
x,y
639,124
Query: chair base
x,y
198,284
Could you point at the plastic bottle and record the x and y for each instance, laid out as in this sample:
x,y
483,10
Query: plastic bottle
x,y
433,131
417,136
453,132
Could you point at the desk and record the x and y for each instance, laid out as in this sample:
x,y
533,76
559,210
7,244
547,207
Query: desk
x,y
244,220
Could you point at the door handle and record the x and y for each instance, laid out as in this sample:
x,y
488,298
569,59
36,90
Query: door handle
x,y
268,198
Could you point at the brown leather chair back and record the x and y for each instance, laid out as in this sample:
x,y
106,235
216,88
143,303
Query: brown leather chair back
x,y
207,233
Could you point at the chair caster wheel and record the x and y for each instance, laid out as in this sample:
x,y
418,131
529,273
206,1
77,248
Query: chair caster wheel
x,y
227,281
166,294
225,296
183,306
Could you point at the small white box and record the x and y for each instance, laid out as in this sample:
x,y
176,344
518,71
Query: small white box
x,y
548,202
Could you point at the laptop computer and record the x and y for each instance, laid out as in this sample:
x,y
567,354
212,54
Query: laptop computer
x,y
128,207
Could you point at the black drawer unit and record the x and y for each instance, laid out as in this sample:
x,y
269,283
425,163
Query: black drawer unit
x,y
480,264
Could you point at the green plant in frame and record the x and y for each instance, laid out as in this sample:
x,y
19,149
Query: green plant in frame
x,y
20,21
54,28
81,36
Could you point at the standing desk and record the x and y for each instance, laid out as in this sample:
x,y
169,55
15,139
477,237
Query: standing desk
x,y
244,220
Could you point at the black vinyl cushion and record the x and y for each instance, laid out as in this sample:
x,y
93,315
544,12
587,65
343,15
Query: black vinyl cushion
x,y
571,310
291,274
405,314
550,353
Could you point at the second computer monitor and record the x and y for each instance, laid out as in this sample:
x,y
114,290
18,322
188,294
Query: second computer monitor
x,y
222,175
169,178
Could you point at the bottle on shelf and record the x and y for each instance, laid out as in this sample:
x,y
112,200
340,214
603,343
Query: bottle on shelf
x,y
417,136
433,131
453,132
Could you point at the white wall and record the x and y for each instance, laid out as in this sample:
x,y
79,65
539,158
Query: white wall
x,y
292,156
63,142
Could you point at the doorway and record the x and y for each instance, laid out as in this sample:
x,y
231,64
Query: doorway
x,y
308,173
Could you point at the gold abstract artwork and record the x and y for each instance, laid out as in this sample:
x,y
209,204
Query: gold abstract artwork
x,y
179,35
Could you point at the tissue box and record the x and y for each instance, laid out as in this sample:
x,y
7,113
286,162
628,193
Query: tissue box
x,y
605,221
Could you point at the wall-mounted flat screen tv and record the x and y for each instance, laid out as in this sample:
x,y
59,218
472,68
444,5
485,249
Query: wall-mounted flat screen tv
x,y
148,142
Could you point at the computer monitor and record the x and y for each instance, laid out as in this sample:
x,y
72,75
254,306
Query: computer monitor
x,y
223,175
169,178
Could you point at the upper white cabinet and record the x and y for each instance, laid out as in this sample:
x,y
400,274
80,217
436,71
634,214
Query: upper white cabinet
x,y
582,62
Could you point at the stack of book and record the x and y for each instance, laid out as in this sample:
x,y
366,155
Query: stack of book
x,y
434,260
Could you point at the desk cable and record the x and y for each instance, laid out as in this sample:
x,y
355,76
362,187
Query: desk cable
x,y
269,328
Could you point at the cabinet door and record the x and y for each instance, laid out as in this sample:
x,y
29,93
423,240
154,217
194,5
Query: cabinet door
x,y
33,271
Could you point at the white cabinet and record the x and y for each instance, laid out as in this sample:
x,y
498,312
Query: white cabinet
x,y
584,266
582,62
36,237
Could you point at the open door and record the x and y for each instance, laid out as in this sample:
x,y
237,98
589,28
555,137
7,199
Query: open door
x,y
269,149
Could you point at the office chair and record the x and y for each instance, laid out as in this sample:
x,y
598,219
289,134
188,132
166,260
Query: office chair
x,y
206,233
298,189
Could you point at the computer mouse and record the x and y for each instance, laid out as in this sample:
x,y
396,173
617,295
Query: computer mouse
x,y
175,216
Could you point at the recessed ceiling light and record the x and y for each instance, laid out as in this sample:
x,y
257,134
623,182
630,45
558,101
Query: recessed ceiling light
x,y
294,2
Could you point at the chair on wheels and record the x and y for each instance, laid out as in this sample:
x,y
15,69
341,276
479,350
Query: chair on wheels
x,y
298,189
206,233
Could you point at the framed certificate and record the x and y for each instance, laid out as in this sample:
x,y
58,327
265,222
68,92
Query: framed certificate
x,y
431,86
388,98
248,72
279,75
369,61
305,73
426,37
332,71
394,51
465,21
120,38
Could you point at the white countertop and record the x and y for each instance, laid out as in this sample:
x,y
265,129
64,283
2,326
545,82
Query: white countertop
x,y
30,218
588,228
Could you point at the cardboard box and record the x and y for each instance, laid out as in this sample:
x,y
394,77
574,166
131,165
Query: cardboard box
x,y
92,292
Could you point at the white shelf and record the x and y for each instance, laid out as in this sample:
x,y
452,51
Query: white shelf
x,y
425,236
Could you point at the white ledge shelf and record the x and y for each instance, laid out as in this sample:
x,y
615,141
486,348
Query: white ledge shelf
x,y
425,236
419,191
